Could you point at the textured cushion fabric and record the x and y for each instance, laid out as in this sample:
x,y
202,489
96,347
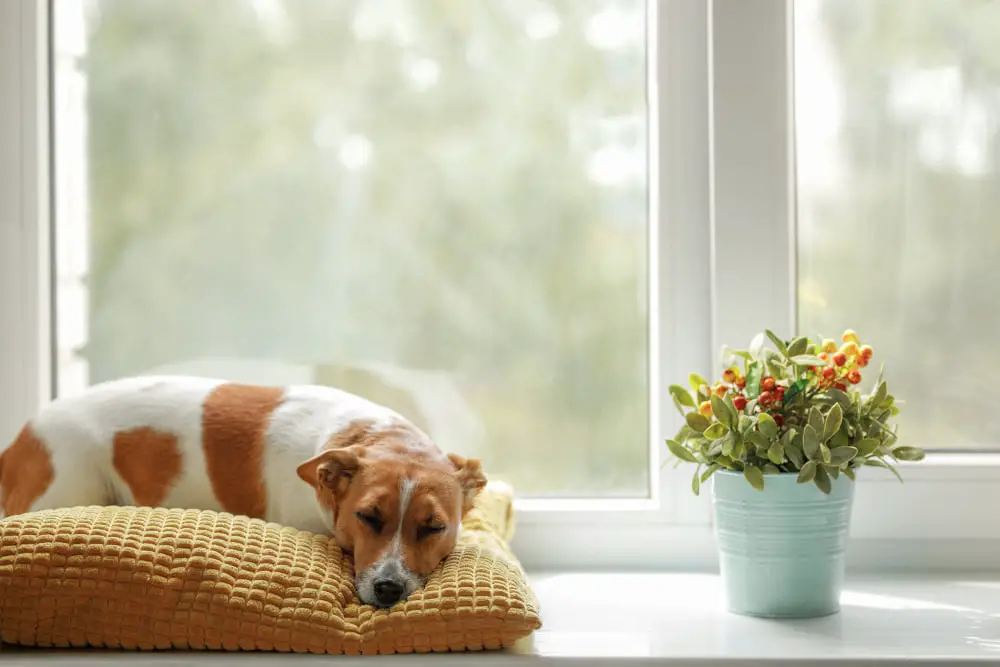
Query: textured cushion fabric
x,y
142,578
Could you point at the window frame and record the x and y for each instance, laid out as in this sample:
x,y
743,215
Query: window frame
x,y
721,175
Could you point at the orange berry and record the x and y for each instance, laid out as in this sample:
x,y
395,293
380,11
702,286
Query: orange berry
x,y
824,356
866,351
729,375
741,382
840,358
849,336
739,402
841,386
720,390
861,361
705,408
768,384
849,348
829,372
854,376
766,398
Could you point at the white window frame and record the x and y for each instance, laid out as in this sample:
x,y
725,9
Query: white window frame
x,y
721,177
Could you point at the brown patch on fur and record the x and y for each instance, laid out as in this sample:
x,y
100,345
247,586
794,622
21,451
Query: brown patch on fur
x,y
148,461
25,472
234,425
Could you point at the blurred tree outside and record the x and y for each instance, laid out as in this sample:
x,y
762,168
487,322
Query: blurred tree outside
x,y
901,241
443,187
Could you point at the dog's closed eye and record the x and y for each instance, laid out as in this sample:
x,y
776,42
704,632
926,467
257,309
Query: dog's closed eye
x,y
423,532
372,520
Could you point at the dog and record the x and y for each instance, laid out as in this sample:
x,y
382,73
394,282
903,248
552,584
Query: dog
x,y
314,458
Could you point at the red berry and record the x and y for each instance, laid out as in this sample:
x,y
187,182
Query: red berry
x,y
854,376
841,386
866,351
766,398
840,358
768,384
779,420
829,372
729,375
780,389
861,361
739,402
741,382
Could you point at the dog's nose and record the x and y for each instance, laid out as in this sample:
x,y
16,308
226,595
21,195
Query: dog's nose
x,y
387,592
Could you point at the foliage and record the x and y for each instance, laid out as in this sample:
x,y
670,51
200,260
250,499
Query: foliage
x,y
792,409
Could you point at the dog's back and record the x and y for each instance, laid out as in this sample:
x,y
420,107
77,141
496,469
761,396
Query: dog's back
x,y
179,442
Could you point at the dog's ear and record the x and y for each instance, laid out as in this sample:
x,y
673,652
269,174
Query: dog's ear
x,y
470,477
336,465
332,468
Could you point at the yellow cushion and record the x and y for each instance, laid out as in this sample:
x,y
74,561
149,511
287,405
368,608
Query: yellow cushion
x,y
143,578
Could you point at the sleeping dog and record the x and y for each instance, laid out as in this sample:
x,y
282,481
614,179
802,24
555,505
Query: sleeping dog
x,y
314,458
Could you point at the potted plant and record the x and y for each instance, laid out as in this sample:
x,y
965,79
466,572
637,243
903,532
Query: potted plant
x,y
783,435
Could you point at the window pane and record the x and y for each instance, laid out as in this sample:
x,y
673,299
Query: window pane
x,y
897,108
438,205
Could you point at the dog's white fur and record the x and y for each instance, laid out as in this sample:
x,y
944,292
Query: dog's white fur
x,y
79,431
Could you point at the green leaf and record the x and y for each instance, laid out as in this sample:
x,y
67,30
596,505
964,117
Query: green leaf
x,y
880,393
833,420
908,453
697,421
810,444
867,447
824,452
679,451
755,371
734,413
822,480
746,424
695,381
682,395
727,445
737,451
715,448
841,438
768,427
879,463
716,430
817,421
833,471
807,473
797,346
755,477
807,360
795,455
722,413
696,481
795,389
776,454
841,455
850,473
840,397
779,345
758,439
756,345
708,473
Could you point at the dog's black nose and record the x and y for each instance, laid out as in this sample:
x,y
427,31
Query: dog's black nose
x,y
387,592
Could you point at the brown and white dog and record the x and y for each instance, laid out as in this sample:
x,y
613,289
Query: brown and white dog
x,y
314,458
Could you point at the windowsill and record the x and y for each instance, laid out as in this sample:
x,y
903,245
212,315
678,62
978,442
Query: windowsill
x,y
680,619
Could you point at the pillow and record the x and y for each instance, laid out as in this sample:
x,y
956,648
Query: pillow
x,y
145,578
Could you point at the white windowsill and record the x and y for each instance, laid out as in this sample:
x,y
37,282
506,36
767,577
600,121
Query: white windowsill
x,y
680,619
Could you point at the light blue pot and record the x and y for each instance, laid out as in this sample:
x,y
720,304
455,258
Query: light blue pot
x,y
781,550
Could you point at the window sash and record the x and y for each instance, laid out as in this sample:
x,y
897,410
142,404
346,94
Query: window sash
x,y
721,177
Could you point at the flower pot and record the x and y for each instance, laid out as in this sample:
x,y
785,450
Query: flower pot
x,y
781,550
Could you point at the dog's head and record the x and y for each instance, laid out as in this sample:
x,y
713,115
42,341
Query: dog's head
x,y
397,504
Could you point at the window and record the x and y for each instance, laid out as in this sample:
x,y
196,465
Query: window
x,y
439,206
898,186
235,213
